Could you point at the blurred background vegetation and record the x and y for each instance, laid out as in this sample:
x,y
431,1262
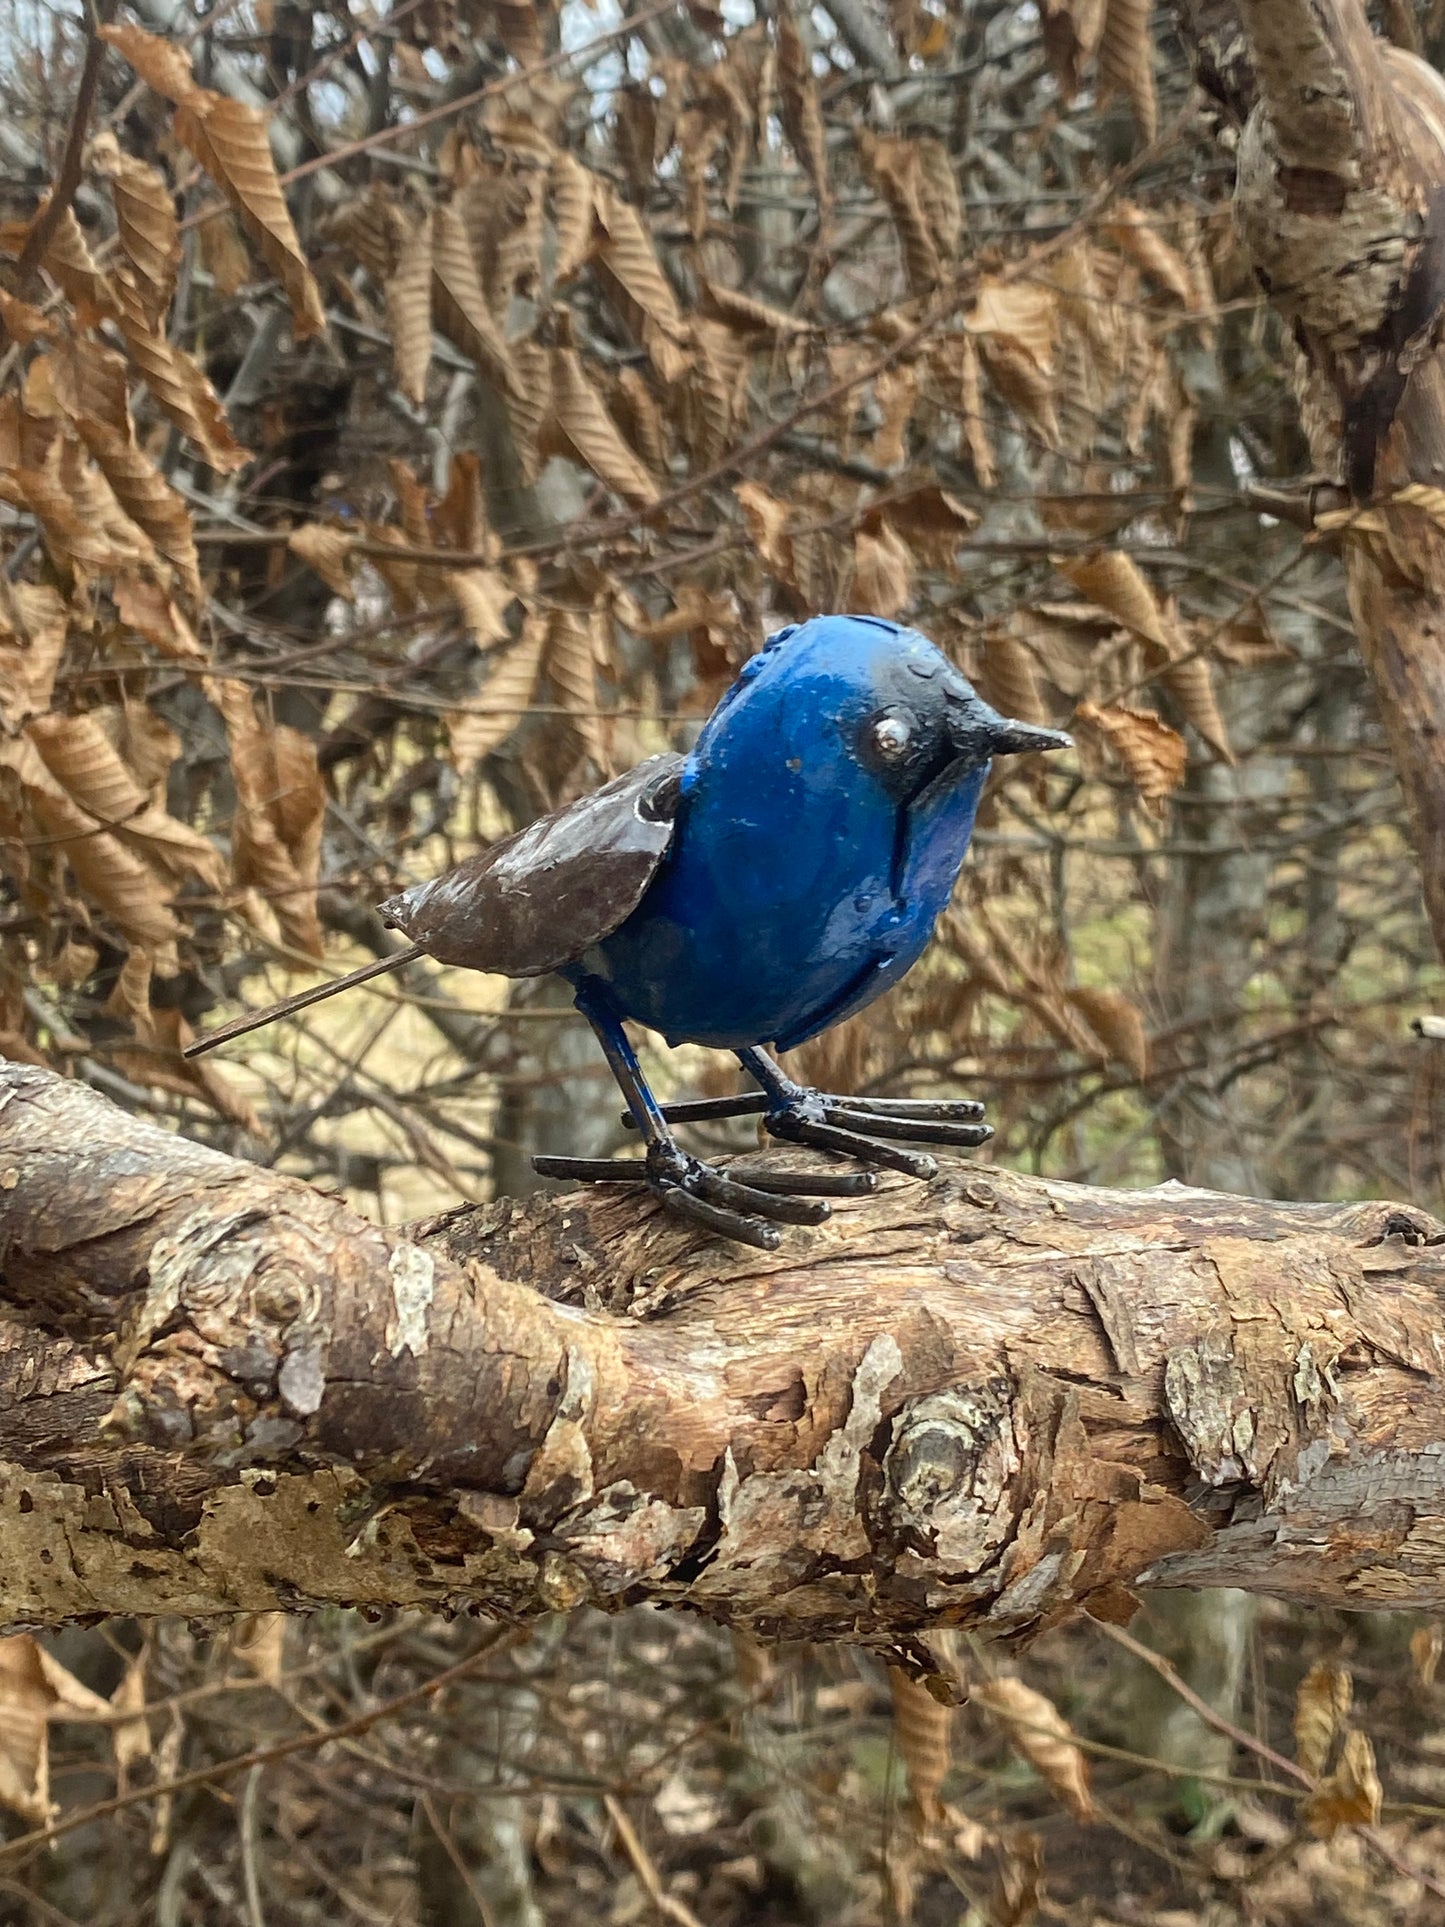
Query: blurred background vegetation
x,y
419,412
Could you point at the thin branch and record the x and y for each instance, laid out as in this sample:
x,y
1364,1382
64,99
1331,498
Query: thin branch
x,y
261,1755
643,1866
42,229
1252,1744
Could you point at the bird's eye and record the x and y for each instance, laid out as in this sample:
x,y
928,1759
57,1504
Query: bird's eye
x,y
891,737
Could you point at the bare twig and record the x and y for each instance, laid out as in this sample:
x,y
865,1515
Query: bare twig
x,y
645,1867
255,1913
1253,1744
27,1843
43,227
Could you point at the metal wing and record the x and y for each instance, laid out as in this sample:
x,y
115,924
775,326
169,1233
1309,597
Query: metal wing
x,y
538,899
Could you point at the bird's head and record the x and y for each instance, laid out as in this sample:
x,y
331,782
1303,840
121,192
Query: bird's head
x,y
914,715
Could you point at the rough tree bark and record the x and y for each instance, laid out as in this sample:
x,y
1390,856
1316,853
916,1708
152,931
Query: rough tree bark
x,y
1340,198
989,1402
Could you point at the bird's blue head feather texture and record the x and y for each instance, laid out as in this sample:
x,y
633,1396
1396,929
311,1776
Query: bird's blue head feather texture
x,y
862,691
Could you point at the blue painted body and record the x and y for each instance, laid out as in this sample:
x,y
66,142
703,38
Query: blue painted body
x,y
795,888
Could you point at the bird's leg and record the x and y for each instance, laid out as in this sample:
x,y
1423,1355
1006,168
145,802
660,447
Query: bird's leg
x,y
746,1212
852,1125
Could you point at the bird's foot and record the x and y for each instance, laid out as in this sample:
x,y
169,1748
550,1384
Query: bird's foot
x,y
851,1125
745,1205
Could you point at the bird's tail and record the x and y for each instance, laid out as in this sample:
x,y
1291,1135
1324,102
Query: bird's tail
x,y
256,1019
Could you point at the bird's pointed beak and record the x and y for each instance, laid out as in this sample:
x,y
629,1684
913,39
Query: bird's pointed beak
x,y
979,731
1013,739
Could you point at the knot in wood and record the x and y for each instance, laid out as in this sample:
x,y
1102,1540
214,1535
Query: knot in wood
x,y
948,1477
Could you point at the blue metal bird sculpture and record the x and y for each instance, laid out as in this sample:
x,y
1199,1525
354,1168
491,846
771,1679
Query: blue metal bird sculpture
x,y
755,892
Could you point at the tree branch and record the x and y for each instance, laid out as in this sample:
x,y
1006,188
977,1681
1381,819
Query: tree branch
x,y
988,1402
42,228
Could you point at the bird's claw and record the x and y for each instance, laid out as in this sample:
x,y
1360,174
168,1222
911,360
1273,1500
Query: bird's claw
x,y
850,1126
793,1125
728,1204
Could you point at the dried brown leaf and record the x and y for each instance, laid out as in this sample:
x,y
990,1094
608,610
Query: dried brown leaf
x,y
798,105
1426,1645
229,139
627,260
712,396
1321,1707
581,421
25,1703
572,187
1016,327
1040,1733
224,252
895,390
145,607
1135,232
1154,755
882,572
177,384
1246,641
130,998
83,759
1116,1021
1009,676
329,551
921,1733
34,622
504,213
22,322
476,731
157,1060
572,668
70,263
1113,581
144,741
460,305
130,1739
529,403
147,498
162,64
1351,1796
897,172
81,378
483,596
942,202
1071,39
280,807
975,422
930,520
146,223
119,882
1191,684
260,1641
749,315
408,294
636,411
83,528
460,517
34,1690
1126,64
767,519
1020,1891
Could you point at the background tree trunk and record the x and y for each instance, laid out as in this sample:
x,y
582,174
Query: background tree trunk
x,y
1340,199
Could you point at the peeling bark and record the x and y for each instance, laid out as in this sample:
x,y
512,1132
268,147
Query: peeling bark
x,y
1340,198
990,1402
